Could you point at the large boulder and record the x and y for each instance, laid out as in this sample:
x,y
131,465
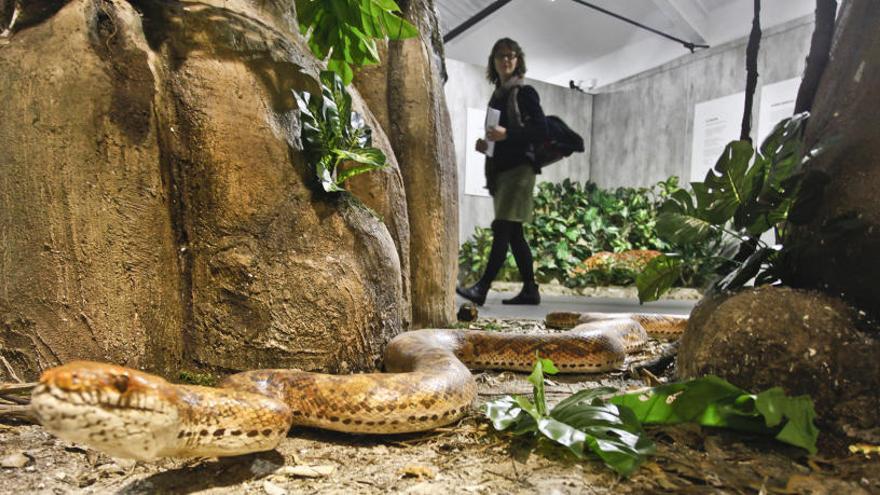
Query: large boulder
x,y
804,341
158,210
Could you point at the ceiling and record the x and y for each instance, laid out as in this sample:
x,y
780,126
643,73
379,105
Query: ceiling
x,y
564,40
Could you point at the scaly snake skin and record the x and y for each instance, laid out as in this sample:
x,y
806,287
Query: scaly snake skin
x,y
131,414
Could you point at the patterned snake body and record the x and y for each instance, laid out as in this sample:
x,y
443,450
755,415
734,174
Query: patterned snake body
x,y
127,413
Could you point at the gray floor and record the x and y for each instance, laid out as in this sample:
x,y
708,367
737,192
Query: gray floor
x,y
494,309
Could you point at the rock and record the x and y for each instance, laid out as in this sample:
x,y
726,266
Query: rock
x,y
468,312
16,460
273,489
85,213
804,341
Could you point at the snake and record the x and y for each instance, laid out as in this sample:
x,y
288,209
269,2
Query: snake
x,y
426,384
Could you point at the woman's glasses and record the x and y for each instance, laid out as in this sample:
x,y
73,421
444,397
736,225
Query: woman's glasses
x,y
505,56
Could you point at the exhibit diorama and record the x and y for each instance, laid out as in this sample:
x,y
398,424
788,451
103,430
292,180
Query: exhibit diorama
x,y
261,246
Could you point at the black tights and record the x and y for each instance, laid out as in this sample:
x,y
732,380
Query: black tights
x,y
506,232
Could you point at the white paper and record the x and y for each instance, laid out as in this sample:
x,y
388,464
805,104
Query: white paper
x,y
474,162
716,123
492,117
777,103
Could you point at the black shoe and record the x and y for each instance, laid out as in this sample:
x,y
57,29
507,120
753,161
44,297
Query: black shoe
x,y
528,295
475,293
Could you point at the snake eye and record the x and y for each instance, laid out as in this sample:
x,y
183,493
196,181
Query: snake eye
x,y
120,383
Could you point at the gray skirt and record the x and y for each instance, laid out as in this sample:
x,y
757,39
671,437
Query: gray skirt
x,y
513,197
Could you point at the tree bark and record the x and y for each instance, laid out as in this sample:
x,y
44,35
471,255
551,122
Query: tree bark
x,y
751,72
836,245
817,60
156,210
409,85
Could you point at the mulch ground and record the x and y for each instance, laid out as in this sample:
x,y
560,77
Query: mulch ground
x,y
467,457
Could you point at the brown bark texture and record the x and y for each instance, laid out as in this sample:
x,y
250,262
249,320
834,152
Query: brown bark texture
x,y
89,267
839,236
156,210
817,59
409,86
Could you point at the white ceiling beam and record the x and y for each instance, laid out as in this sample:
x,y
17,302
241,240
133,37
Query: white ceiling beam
x,y
689,16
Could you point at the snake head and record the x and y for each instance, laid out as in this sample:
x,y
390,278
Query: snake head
x,y
117,410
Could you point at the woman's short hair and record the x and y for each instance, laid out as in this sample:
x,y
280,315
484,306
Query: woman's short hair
x,y
513,46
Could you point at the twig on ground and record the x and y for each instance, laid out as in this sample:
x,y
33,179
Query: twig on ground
x,y
18,412
10,370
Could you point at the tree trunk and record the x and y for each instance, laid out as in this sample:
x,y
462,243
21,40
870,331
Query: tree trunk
x,y
406,93
89,266
156,210
838,241
420,131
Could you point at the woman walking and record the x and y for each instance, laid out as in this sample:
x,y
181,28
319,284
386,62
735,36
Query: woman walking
x,y
510,174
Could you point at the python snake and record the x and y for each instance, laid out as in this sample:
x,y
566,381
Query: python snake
x,y
132,414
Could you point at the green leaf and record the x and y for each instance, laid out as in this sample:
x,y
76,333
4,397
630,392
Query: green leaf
x,y
325,169
563,434
505,413
746,271
799,430
349,172
342,67
712,401
346,30
397,28
372,157
537,380
611,432
658,277
727,184
582,397
582,423
333,133
681,228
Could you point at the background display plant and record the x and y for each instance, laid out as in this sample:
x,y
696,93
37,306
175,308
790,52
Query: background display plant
x,y
574,221
336,139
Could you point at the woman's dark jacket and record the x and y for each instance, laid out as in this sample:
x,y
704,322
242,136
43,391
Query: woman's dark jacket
x,y
511,152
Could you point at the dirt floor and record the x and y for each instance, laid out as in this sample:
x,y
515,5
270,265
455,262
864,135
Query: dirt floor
x,y
468,457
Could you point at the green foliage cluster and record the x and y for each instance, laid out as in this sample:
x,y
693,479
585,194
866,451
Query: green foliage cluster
x,y
573,221
583,422
611,428
345,31
747,193
711,401
334,135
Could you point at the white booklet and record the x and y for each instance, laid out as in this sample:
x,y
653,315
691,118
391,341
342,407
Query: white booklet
x,y
492,117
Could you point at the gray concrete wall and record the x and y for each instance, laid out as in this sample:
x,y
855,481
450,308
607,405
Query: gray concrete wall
x,y
637,131
467,87
642,126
